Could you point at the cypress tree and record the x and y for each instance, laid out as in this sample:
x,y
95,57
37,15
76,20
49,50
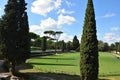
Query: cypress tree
x,y
63,46
23,33
44,45
89,46
15,33
76,43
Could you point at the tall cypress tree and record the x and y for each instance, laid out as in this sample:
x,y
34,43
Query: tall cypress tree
x,y
89,46
15,33
23,32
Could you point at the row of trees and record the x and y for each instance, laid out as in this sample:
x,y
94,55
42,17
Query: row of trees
x,y
49,42
14,33
36,41
103,46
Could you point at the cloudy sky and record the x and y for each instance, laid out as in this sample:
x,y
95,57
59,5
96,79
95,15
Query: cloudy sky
x,y
68,16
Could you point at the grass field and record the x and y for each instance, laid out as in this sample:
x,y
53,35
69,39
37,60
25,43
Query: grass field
x,y
68,63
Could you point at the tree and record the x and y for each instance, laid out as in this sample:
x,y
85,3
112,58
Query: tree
x,y
68,46
54,36
63,46
33,35
76,43
44,43
106,47
15,39
57,36
117,45
100,45
112,47
38,42
89,46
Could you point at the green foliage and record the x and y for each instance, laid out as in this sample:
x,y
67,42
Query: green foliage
x,y
44,45
89,46
38,42
63,46
15,39
117,46
75,43
68,46
33,35
103,46
112,47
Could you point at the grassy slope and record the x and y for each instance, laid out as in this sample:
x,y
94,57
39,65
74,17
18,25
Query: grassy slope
x,y
109,64
69,63
64,63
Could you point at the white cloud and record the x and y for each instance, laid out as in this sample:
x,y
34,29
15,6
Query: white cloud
x,y
69,4
51,24
43,7
108,15
115,29
47,24
66,37
63,11
111,37
66,20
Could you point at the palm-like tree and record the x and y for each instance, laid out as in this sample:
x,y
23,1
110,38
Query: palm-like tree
x,y
54,35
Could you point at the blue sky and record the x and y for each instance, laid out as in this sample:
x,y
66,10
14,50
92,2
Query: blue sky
x,y
68,16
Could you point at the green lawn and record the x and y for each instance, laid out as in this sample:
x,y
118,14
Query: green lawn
x,y
69,63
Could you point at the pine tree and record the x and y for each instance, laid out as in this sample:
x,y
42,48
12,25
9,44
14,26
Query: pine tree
x,y
76,43
89,46
15,33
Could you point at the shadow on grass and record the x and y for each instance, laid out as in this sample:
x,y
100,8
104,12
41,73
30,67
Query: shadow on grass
x,y
52,64
52,76
24,66
47,76
58,58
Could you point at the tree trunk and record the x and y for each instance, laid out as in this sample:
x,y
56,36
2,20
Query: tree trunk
x,y
12,69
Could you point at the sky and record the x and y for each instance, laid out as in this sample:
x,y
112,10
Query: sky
x,y
68,16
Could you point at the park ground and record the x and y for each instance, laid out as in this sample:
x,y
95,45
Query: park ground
x,y
66,67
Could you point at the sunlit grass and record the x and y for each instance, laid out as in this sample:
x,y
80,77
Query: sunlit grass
x,y
69,64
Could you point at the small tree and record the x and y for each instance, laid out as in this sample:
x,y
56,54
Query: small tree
x,y
63,46
76,43
89,46
44,39
68,46
112,47
117,46
54,36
